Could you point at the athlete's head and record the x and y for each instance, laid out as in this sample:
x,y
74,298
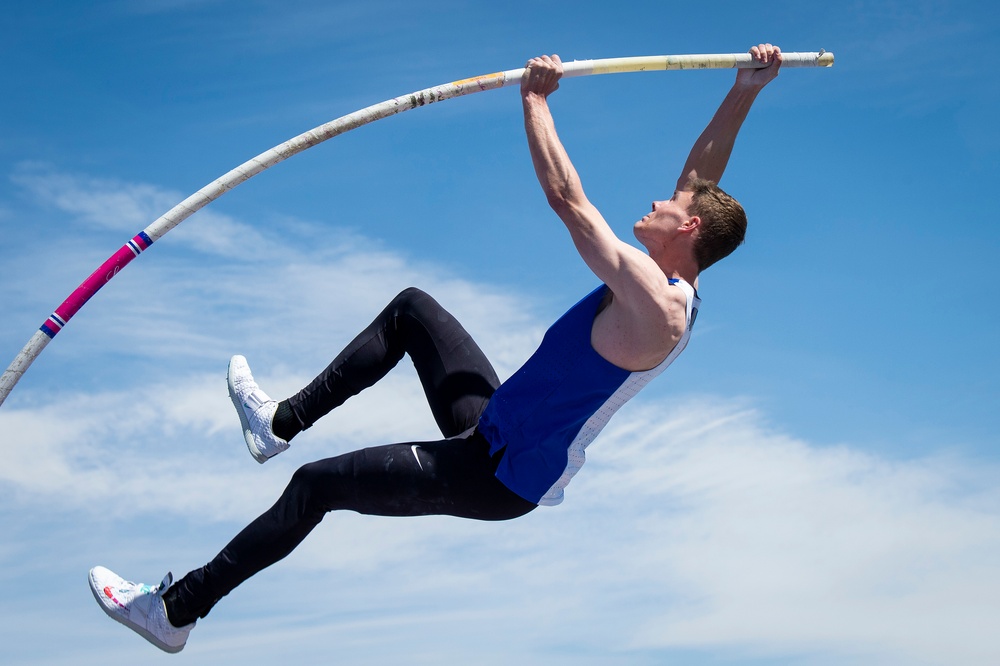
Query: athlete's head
x,y
723,222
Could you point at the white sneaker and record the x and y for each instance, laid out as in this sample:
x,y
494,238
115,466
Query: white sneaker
x,y
256,410
139,607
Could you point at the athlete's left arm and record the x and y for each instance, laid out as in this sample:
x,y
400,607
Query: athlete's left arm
x,y
710,153
633,277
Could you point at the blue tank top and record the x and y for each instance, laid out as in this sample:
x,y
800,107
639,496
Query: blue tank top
x,y
548,412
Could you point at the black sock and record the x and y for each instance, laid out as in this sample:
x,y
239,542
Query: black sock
x,y
176,618
284,424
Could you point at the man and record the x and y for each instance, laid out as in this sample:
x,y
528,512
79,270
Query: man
x,y
507,448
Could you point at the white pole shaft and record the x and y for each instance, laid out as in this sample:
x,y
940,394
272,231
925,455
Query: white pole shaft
x,y
351,121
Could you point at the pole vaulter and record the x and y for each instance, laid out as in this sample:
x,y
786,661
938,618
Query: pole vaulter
x,y
141,241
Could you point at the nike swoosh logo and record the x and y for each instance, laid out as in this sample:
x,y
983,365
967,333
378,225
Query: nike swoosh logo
x,y
413,448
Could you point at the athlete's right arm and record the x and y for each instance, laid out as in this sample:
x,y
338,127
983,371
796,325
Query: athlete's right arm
x,y
630,273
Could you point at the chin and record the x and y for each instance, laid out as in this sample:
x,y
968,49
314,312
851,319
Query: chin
x,y
637,232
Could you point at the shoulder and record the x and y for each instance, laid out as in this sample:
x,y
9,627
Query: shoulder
x,y
637,332
649,295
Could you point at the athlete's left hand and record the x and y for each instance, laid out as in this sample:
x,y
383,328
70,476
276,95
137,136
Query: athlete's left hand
x,y
758,78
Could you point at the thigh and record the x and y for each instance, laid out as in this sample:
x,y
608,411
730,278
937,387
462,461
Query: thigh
x,y
453,477
456,376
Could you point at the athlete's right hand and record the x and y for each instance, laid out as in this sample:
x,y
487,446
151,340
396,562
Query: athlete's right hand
x,y
541,76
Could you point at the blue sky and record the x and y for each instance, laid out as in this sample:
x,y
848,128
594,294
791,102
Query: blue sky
x,y
815,481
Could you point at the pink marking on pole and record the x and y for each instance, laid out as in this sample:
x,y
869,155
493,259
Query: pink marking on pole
x,y
101,277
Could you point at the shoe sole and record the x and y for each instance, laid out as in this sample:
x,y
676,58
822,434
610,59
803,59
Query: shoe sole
x,y
172,649
244,421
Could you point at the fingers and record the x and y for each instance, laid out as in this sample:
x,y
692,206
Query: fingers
x,y
546,63
766,53
542,74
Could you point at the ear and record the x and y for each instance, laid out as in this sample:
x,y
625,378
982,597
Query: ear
x,y
691,224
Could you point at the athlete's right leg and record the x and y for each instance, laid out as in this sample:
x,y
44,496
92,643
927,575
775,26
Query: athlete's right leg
x,y
456,376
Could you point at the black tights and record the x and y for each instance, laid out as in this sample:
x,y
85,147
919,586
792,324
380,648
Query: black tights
x,y
453,476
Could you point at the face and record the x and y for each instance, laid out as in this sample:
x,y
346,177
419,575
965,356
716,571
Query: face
x,y
664,218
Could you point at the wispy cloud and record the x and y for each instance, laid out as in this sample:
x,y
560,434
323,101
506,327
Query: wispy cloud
x,y
693,527
696,526
113,204
244,289
776,545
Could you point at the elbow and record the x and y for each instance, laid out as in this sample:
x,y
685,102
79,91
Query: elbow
x,y
564,199
558,203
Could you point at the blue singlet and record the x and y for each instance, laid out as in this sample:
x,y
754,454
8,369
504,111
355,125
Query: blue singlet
x,y
548,412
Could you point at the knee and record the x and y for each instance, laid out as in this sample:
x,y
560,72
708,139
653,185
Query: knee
x,y
313,489
416,304
410,299
306,477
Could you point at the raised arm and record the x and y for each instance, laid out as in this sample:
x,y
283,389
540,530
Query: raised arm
x,y
560,182
710,154
616,263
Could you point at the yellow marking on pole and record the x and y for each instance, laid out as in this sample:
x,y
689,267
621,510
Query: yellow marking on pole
x,y
479,79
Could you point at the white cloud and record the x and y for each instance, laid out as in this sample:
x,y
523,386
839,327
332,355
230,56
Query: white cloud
x,y
694,527
109,203
780,546
307,286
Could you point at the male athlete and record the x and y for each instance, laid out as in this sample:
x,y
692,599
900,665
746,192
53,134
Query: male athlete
x,y
507,447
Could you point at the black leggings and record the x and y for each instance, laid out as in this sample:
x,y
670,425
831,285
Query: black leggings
x,y
453,476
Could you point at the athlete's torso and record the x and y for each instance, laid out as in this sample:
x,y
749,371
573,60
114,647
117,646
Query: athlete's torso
x,y
549,411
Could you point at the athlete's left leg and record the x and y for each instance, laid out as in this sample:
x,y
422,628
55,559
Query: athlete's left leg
x,y
448,477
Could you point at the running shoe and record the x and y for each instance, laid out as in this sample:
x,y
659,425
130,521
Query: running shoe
x,y
139,607
256,411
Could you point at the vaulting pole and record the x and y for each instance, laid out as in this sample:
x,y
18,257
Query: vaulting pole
x,y
141,241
